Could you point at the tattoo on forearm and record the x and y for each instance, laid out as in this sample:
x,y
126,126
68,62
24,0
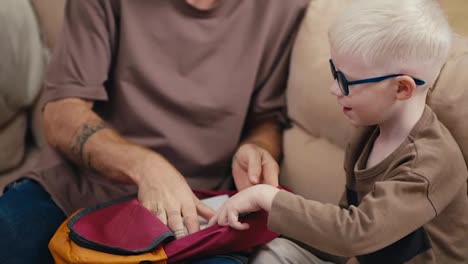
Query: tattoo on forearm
x,y
82,136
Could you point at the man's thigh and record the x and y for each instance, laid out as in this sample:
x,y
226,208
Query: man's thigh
x,y
28,219
284,251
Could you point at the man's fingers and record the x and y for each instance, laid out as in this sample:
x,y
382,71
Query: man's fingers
x,y
212,221
254,166
270,173
205,211
175,223
157,210
161,214
191,219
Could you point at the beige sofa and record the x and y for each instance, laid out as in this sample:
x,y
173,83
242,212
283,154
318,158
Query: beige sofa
x,y
312,164
21,71
314,146
28,30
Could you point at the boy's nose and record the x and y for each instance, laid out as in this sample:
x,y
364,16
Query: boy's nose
x,y
335,90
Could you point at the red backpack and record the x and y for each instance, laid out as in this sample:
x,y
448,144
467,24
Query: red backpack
x,y
124,232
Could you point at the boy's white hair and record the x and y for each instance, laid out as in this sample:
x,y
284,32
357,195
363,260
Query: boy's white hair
x,y
408,36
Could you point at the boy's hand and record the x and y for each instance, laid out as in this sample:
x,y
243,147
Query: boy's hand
x,y
253,165
252,199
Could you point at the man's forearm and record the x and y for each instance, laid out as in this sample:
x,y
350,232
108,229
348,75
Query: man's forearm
x,y
268,135
73,128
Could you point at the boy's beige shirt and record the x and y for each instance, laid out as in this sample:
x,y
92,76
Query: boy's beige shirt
x,y
417,193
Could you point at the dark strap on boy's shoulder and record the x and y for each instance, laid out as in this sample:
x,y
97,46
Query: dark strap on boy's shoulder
x,y
401,251
351,197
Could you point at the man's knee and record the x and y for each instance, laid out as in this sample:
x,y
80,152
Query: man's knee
x,y
284,251
279,250
13,242
28,219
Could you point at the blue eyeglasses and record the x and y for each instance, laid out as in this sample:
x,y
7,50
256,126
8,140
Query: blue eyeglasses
x,y
344,84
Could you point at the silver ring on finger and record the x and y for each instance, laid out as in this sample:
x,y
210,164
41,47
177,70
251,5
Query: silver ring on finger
x,y
180,232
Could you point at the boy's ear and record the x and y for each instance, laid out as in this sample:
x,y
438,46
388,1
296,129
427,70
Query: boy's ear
x,y
406,87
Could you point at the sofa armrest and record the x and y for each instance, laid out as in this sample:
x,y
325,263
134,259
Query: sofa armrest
x,y
50,16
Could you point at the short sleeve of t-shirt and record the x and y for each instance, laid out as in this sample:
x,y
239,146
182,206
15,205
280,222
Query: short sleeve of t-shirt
x,y
269,97
80,63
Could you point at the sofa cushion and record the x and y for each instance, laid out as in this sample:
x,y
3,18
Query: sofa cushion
x,y
310,104
50,15
449,96
312,166
22,53
314,146
21,70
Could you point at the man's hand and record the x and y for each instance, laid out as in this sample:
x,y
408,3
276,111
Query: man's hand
x,y
72,127
250,200
253,165
164,191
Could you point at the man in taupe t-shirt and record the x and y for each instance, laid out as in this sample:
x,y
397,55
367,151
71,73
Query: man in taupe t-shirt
x,y
155,97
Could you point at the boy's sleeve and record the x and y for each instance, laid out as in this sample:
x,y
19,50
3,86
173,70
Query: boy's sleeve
x,y
80,62
394,209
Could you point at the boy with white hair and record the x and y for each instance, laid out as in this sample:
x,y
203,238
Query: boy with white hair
x,y
405,198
